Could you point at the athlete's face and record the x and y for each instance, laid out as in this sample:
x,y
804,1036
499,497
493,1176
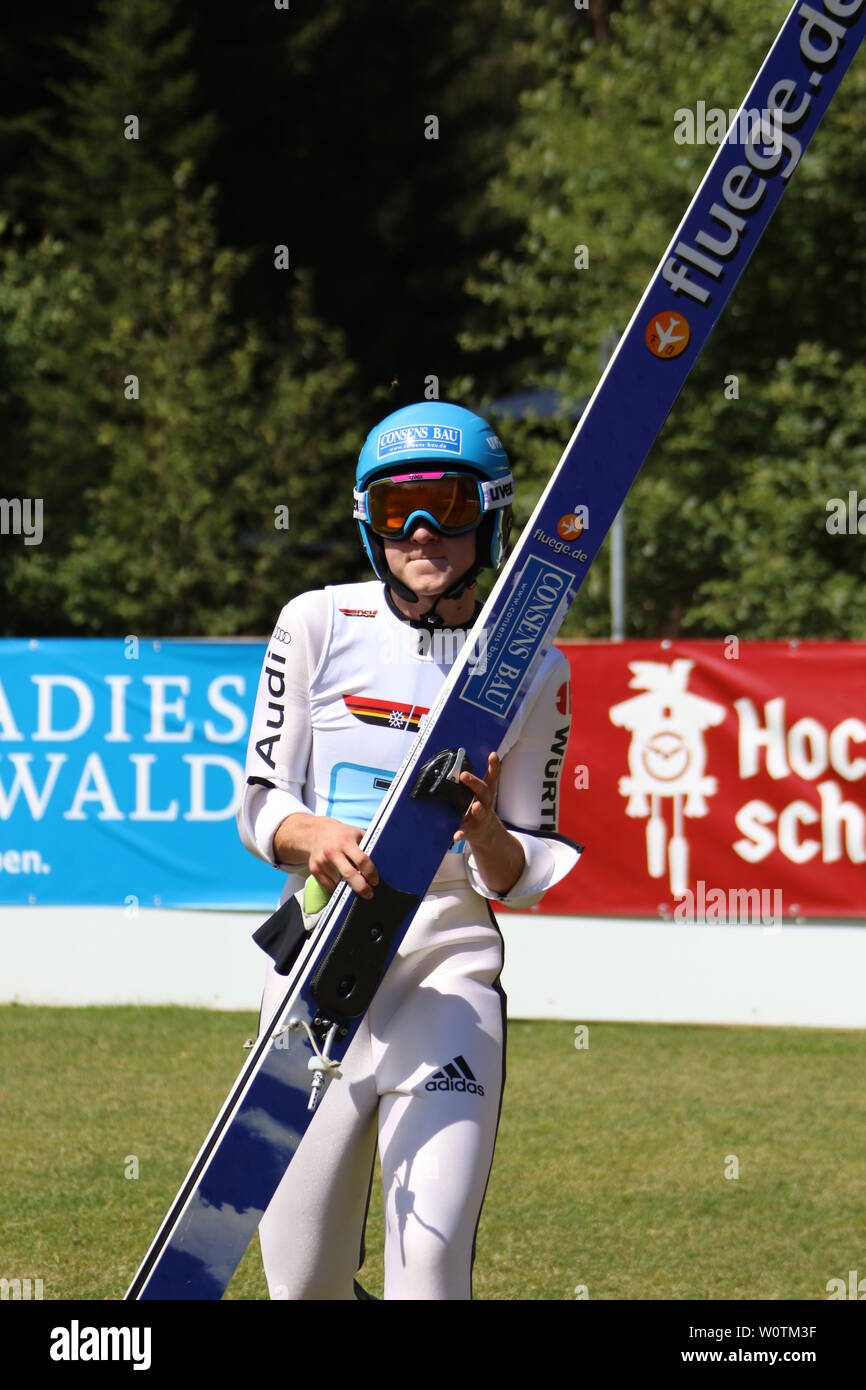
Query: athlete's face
x,y
428,562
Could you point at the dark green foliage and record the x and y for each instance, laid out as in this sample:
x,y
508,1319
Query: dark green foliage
x,y
133,66
159,429
726,526
174,530
409,259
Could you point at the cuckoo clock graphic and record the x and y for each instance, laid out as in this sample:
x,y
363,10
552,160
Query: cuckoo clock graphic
x,y
667,758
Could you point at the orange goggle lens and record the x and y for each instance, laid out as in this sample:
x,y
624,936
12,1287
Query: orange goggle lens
x,y
452,502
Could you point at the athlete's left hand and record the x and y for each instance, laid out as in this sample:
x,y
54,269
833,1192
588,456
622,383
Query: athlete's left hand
x,y
481,821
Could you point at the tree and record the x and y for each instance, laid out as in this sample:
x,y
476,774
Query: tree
x,y
129,117
324,145
595,162
200,436
152,420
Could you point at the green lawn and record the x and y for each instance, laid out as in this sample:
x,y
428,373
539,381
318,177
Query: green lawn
x,y
609,1170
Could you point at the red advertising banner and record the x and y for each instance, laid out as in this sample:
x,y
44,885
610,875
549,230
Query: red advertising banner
x,y
714,781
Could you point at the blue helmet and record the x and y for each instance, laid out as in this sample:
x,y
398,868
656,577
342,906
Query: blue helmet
x,y
434,432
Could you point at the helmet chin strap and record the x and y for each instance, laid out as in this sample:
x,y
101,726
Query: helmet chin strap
x,y
431,618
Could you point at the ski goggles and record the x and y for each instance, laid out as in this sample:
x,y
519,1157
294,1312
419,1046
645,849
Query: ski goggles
x,y
452,502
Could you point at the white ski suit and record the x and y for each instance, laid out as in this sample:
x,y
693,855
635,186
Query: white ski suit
x,y
345,685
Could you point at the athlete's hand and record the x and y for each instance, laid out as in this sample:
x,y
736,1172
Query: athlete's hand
x,y
481,823
334,856
331,848
499,855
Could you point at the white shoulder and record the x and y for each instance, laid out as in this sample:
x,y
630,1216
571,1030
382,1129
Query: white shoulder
x,y
543,701
369,593
310,609
309,617
306,620
553,670
555,662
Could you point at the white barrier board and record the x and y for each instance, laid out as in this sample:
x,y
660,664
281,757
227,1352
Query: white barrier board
x,y
574,968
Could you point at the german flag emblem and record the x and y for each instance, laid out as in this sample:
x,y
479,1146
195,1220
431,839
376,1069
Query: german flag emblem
x,y
385,714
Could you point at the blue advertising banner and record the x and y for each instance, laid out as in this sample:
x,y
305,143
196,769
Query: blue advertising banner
x,y
121,766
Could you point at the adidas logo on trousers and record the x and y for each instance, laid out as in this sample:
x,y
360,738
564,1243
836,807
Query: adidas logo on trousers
x,y
456,1076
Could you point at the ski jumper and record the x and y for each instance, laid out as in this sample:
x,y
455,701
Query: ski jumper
x,y
346,684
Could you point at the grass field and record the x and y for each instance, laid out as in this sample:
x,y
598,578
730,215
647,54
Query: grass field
x,y
609,1171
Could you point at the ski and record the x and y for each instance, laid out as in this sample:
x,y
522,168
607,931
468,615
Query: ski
x,y
267,1111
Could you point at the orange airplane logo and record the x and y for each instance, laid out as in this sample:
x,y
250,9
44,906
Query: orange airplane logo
x,y
667,334
569,526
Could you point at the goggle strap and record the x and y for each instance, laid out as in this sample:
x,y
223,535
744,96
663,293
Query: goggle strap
x,y
499,492
362,508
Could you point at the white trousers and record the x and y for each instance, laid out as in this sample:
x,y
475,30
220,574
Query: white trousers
x,y
424,1074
